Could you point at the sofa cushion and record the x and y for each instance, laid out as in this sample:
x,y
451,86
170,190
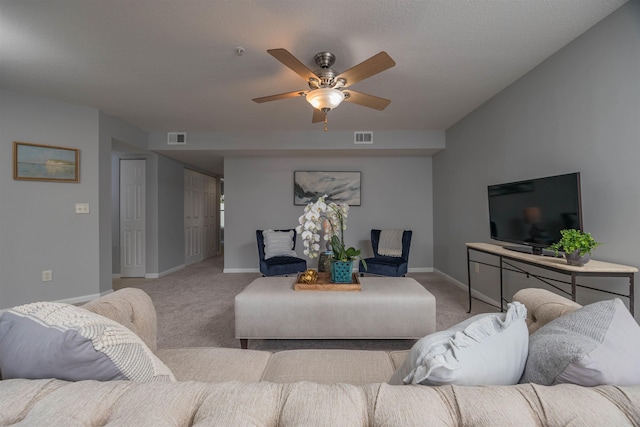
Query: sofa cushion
x,y
329,366
597,344
387,260
398,357
278,243
54,340
215,364
485,349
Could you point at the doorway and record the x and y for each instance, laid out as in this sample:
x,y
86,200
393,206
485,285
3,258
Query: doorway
x,y
200,216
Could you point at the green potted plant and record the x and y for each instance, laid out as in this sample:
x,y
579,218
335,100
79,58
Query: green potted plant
x,y
576,245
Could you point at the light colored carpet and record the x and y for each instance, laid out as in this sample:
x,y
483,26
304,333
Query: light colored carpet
x,y
195,309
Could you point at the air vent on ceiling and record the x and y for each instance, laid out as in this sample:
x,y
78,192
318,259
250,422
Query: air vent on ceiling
x,y
363,137
176,138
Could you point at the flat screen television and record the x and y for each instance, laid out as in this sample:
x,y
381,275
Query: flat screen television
x,y
532,212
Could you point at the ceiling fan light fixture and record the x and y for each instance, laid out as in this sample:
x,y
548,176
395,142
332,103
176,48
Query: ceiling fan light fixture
x,y
325,99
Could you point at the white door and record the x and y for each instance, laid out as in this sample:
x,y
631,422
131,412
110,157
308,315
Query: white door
x,y
132,218
210,216
193,227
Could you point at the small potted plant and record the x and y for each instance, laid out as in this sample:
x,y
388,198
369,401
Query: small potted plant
x,y
576,245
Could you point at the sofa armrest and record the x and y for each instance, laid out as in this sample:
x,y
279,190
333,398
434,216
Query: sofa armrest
x,y
543,306
132,308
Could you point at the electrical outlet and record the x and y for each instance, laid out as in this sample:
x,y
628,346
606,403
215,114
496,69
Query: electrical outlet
x,y
82,208
477,268
47,275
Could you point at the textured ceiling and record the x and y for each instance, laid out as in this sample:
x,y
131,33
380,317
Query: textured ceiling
x,y
172,65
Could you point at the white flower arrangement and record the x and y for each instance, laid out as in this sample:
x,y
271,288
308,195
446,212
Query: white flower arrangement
x,y
311,222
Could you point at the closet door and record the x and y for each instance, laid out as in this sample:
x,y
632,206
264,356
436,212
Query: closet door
x,y
210,216
193,223
132,218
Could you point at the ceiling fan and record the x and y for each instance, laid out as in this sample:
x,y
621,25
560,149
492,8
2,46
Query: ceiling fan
x,y
327,88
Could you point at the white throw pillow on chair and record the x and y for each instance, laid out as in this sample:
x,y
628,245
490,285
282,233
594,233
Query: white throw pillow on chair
x,y
278,243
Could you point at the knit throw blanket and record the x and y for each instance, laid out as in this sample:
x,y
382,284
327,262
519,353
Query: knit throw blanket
x,y
390,243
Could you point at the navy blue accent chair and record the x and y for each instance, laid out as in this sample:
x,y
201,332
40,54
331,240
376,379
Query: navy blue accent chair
x,y
386,265
279,265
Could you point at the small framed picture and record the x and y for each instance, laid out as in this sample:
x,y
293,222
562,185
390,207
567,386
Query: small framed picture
x,y
340,187
36,162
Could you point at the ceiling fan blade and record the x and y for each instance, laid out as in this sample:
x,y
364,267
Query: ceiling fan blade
x,y
318,116
293,63
280,96
372,66
367,100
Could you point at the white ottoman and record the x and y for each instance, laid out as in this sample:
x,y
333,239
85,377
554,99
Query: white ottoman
x,y
385,308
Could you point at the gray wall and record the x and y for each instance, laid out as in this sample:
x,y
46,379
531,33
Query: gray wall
x,y
170,214
577,111
396,193
39,229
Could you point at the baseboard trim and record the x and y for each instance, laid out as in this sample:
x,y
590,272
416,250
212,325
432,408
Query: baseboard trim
x,y
474,293
154,275
241,270
164,273
420,270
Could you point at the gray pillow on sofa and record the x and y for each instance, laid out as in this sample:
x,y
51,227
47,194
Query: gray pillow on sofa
x,y
54,340
595,345
486,349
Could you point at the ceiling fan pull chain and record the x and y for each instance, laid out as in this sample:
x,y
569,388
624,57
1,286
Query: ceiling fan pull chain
x,y
325,122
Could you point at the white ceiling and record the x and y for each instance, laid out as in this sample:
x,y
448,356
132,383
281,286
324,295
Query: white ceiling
x,y
172,65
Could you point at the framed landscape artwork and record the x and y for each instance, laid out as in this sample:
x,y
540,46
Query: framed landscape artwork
x,y
35,162
340,187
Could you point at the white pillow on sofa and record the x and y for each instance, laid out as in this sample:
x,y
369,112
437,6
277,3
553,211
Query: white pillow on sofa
x,y
55,340
278,243
486,349
597,344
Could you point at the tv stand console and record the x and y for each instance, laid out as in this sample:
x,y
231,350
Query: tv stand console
x,y
521,249
558,265
532,250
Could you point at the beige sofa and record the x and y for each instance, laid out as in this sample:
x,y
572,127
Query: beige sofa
x,y
234,387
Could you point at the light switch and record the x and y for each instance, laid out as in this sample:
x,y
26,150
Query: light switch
x,y
82,208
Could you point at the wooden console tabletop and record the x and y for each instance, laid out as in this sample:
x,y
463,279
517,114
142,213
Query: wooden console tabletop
x,y
593,268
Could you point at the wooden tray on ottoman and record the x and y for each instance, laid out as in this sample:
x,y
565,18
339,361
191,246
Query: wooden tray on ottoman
x,y
324,284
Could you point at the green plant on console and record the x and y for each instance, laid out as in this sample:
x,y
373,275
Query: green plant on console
x,y
575,240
